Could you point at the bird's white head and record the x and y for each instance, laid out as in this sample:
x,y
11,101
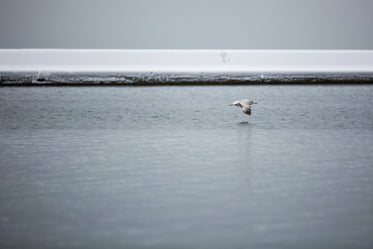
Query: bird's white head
x,y
236,103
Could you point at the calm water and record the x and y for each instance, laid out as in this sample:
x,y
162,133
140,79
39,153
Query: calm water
x,y
176,167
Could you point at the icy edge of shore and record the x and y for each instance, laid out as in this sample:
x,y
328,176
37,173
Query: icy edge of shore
x,y
30,78
131,67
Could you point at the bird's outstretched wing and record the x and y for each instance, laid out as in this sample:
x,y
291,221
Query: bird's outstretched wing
x,y
246,108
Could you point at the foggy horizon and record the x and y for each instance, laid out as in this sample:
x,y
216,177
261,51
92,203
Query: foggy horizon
x,y
165,24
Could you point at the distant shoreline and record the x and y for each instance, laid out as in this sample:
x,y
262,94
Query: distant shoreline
x,y
35,67
143,79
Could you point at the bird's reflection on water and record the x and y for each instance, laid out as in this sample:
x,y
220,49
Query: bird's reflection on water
x,y
243,123
244,137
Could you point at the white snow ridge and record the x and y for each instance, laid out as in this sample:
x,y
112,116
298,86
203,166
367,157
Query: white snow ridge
x,y
121,67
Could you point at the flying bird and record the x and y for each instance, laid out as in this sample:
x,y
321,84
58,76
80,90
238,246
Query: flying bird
x,y
245,105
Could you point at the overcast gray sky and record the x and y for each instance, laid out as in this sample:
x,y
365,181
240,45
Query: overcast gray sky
x,y
231,24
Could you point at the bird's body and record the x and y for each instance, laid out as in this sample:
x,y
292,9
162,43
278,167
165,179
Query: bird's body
x,y
244,104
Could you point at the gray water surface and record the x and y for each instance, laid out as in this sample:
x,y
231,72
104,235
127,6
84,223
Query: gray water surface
x,y
176,167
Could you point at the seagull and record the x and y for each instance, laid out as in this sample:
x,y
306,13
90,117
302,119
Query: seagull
x,y
245,105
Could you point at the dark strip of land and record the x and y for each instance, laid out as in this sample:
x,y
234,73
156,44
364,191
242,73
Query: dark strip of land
x,y
34,78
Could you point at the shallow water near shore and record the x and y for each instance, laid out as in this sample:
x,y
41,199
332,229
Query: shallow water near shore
x,y
176,167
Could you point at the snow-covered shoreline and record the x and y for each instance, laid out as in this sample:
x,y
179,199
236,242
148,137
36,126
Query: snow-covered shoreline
x,y
76,66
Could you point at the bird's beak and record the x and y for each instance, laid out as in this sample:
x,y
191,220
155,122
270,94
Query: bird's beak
x,y
231,104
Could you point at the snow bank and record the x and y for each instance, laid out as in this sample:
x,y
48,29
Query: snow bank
x,y
45,66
